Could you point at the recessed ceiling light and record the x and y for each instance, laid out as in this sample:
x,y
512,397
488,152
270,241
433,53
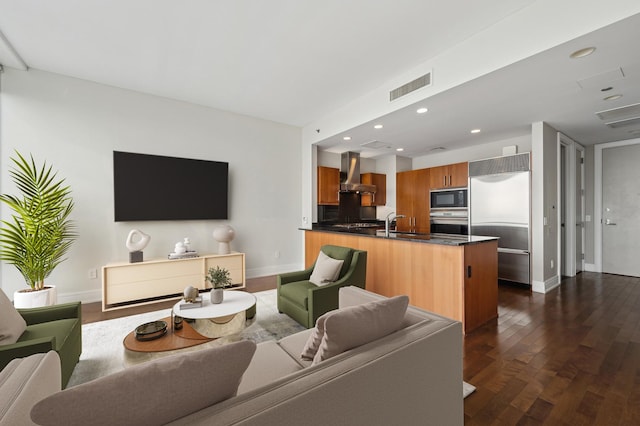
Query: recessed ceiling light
x,y
475,131
378,126
347,138
582,52
399,149
422,110
612,97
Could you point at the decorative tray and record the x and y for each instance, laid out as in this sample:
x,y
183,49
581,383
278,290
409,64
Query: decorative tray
x,y
151,330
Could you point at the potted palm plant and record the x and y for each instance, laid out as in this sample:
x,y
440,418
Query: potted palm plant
x,y
39,233
219,279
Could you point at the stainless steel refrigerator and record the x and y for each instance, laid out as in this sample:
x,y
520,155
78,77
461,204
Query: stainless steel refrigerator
x,y
500,206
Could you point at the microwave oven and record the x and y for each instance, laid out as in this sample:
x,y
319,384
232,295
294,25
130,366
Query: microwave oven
x,y
449,199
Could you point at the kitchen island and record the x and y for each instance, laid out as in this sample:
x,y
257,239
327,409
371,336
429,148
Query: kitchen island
x,y
454,276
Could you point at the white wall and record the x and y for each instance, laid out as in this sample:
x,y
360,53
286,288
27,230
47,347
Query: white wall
x,y
544,209
75,125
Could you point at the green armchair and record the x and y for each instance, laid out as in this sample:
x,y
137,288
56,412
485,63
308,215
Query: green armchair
x,y
58,328
304,301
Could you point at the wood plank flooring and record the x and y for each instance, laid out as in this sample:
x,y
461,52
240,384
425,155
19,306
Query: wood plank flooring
x,y
568,357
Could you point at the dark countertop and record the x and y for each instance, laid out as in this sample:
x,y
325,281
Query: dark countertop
x,y
442,239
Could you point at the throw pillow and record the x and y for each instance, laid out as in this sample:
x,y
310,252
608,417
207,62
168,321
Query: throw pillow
x,y
155,392
12,325
313,342
350,327
326,270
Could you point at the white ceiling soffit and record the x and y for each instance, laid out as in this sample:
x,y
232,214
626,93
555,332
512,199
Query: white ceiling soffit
x,y
9,56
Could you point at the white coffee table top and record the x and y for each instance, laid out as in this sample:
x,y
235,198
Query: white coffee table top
x,y
234,302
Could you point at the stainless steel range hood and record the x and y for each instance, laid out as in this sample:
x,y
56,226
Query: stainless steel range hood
x,y
350,174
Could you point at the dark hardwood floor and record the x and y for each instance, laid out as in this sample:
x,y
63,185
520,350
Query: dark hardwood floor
x,y
568,357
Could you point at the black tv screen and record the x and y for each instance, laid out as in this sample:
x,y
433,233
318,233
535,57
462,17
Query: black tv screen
x,y
152,187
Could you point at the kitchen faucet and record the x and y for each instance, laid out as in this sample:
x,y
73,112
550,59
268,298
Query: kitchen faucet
x,y
388,221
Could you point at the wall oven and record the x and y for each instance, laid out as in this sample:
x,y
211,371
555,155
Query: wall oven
x,y
450,222
449,199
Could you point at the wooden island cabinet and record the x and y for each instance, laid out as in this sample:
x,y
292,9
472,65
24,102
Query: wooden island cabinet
x,y
454,278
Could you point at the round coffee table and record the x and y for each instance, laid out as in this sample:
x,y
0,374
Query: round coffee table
x,y
218,319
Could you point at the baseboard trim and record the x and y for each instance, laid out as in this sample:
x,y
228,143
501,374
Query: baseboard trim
x,y
547,285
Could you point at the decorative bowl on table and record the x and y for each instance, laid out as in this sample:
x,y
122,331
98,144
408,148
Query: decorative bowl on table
x,y
151,330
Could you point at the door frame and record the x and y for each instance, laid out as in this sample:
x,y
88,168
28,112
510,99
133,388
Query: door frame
x,y
597,196
567,259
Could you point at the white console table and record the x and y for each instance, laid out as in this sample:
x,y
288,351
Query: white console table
x,y
132,284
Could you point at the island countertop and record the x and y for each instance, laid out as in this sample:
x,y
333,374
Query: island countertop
x,y
442,239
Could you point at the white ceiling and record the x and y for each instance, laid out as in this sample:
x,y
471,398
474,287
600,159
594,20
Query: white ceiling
x,y
294,62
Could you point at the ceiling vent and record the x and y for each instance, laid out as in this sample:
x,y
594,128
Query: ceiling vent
x,y
411,86
615,114
375,145
624,123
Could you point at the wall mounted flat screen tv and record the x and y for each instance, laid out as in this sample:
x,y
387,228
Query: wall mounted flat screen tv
x,y
152,187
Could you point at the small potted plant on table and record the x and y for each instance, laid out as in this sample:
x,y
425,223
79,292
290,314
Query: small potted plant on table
x,y
219,279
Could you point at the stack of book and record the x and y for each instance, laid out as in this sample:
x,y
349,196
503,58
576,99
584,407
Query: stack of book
x,y
189,305
185,255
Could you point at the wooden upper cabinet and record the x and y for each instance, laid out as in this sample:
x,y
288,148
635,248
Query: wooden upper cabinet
x,y
449,176
380,197
328,186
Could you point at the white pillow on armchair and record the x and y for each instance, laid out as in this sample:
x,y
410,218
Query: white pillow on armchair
x,y
326,270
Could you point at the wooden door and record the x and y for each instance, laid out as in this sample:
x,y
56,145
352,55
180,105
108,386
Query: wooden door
x,y
438,177
328,186
459,174
421,221
404,200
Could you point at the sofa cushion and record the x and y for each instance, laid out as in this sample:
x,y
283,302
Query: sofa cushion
x,y
326,270
356,325
315,338
295,343
25,381
12,325
156,392
269,363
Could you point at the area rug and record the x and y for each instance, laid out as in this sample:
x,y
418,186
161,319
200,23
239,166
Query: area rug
x,y
103,352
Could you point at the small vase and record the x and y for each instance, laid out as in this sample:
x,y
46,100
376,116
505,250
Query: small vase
x,y
217,294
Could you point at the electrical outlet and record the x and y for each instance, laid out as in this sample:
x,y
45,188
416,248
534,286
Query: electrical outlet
x,y
551,263
93,274
277,254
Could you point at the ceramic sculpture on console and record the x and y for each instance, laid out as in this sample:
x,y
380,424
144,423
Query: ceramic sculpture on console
x,y
136,242
224,234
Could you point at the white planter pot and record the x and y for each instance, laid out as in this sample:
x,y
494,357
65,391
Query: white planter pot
x,y
35,299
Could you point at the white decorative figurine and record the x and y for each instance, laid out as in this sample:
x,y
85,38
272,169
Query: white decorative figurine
x,y
224,234
136,242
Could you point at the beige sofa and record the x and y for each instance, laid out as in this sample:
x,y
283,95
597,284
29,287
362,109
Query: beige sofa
x,y
410,377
